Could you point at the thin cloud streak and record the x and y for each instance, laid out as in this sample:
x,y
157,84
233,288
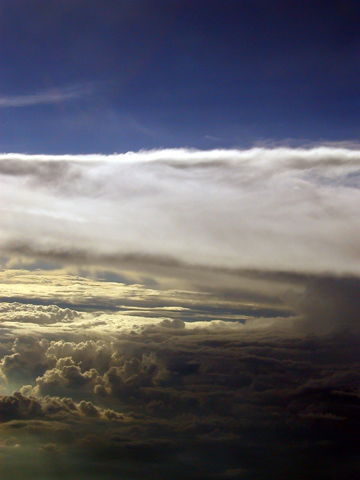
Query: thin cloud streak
x,y
47,97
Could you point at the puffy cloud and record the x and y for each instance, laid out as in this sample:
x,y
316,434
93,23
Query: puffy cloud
x,y
269,209
170,395
24,408
38,314
27,358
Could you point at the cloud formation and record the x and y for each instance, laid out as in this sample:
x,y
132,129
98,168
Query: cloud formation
x,y
47,97
270,209
180,314
167,397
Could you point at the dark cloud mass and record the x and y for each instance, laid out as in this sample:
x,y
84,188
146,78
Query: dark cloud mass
x,y
205,400
179,240
180,314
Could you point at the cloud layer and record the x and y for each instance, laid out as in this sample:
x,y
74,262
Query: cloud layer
x,y
269,209
218,400
156,308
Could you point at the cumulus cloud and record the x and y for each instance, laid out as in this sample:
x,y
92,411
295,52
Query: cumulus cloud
x,y
38,314
270,209
169,397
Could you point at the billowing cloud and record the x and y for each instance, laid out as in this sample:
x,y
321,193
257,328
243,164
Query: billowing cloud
x,y
180,314
270,209
168,396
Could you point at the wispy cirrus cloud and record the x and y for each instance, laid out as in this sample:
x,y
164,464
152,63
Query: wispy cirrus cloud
x,y
47,97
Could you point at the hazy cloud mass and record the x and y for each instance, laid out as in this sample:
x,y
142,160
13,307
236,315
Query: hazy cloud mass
x,y
272,209
180,314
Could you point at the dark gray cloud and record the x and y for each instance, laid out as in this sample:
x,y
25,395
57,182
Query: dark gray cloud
x,y
215,400
328,302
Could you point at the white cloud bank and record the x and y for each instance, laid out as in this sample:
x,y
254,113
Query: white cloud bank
x,y
270,209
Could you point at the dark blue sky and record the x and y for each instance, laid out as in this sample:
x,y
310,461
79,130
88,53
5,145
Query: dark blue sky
x,y
105,76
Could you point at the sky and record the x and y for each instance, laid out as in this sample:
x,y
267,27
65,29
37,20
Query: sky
x,y
106,76
179,253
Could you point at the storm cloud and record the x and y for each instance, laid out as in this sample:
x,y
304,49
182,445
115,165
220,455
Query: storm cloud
x,y
178,313
259,401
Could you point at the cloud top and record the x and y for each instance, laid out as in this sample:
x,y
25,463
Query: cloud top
x,y
169,397
271,209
